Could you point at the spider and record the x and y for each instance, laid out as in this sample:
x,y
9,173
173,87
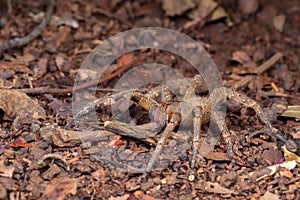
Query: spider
x,y
194,111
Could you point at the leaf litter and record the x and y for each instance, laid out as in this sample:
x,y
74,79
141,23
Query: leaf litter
x,y
265,33
20,108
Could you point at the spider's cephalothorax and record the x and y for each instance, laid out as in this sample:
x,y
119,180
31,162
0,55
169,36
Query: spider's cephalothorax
x,y
193,111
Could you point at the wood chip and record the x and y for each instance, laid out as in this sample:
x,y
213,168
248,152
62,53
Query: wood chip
x,y
279,22
216,188
59,188
270,196
6,171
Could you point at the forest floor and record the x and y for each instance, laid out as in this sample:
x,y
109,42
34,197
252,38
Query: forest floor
x,y
37,162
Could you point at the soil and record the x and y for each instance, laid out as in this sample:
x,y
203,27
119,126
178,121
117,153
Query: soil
x,y
37,162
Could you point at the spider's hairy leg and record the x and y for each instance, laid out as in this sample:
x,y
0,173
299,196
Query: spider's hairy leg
x,y
94,105
174,121
219,120
249,103
197,125
166,94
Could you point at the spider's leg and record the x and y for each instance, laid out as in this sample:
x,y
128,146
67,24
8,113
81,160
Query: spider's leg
x,y
197,125
174,121
94,105
250,103
217,116
166,94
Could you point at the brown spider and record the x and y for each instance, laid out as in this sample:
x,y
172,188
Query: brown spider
x,y
193,111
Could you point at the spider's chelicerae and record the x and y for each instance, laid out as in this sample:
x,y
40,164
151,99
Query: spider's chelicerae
x,y
193,111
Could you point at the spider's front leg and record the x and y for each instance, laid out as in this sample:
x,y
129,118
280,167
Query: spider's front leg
x,y
217,116
249,103
96,104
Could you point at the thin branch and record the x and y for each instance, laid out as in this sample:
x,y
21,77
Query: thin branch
x,y
41,90
264,67
18,42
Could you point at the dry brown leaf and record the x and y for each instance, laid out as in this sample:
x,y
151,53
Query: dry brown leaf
x,y
147,197
98,174
292,111
124,197
279,22
62,35
219,156
6,171
286,173
41,67
216,188
59,188
296,134
270,196
15,66
25,59
56,20
243,58
290,156
205,8
18,64
20,142
272,156
220,13
20,108
177,7
269,171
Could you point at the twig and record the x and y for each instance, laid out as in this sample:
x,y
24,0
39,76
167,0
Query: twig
x,y
78,87
259,70
18,42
